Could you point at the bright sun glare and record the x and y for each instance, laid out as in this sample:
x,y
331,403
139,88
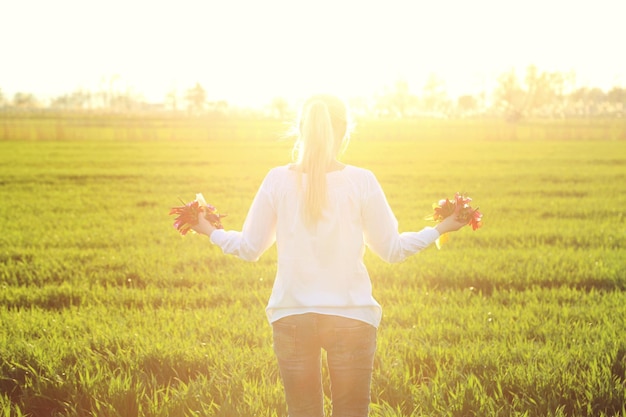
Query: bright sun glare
x,y
250,52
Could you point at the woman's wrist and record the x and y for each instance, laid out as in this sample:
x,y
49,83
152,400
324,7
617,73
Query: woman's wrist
x,y
441,229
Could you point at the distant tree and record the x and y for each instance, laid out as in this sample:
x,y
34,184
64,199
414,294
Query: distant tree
x,y
434,96
60,102
171,100
467,104
360,106
617,95
382,104
279,107
588,101
596,95
81,99
541,93
196,98
596,99
617,100
509,96
24,101
127,101
397,101
2,99
77,100
219,107
546,91
120,102
107,92
401,99
537,88
578,101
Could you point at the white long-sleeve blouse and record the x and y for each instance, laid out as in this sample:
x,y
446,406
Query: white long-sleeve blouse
x,y
320,268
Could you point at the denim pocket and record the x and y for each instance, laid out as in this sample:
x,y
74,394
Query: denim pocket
x,y
356,343
284,337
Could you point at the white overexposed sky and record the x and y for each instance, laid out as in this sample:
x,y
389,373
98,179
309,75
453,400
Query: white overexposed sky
x,y
249,51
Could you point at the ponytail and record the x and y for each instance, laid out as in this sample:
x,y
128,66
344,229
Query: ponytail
x,y
323,129
316,152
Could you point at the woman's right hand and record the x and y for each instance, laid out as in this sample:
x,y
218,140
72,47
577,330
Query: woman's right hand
x,y
204,226
451,223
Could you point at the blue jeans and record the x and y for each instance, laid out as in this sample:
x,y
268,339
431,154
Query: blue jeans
x,y
350,346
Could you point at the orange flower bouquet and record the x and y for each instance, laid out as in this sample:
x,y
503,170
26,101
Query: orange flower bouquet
x,y
447,207
187,214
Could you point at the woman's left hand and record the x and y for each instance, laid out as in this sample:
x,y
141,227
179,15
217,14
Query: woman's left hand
x,y
204,226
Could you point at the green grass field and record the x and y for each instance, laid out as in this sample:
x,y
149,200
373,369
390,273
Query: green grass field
x,y
106,311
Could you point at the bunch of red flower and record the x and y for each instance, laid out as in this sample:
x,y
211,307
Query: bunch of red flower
x,y
188,215
446,208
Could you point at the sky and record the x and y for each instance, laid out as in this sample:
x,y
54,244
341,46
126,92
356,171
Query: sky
x,y
250,51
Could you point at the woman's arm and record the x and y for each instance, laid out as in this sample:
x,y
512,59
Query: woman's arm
x,y
381,228
257,235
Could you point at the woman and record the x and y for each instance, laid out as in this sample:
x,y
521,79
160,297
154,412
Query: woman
x,y
322,213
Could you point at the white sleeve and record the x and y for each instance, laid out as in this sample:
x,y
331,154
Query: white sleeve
x,y
380,229
258,233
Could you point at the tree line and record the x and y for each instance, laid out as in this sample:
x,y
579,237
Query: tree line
x,y
532,94
109,99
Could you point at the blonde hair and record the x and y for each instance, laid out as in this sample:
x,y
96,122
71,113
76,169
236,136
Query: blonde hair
x,y
323,132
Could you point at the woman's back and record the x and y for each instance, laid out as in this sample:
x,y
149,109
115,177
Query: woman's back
x,y
320,265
